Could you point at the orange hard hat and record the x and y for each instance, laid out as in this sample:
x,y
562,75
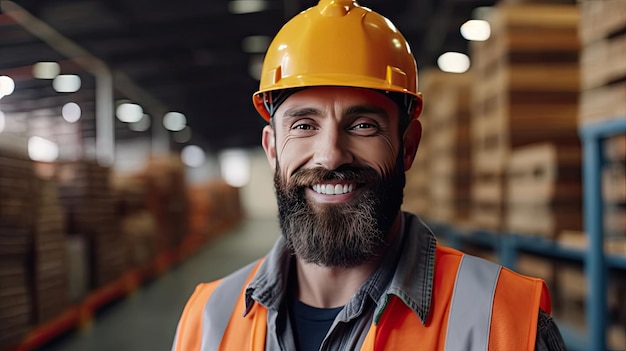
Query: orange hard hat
x,y
338,43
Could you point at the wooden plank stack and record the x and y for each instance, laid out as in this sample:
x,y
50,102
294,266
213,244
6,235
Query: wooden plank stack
x,y
416,191
137,223
603,98
447,111
525,91
544,190
16,190
603,67
50,264
90,205
167,200
569,297
216,202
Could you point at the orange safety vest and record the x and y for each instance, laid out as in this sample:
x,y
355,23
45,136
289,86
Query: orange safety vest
x,y
511,324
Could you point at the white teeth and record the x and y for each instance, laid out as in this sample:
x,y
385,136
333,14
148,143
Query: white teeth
x,y
338,189
330,189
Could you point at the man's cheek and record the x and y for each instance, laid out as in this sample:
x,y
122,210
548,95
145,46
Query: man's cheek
x,y
384,166
290,164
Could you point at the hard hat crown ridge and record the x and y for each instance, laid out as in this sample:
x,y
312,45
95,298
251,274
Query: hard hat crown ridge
x,y
337,43
336,7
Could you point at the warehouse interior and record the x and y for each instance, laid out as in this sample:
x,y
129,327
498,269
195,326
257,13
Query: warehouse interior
x,y
131,168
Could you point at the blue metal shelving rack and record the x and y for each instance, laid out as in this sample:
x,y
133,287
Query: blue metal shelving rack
x,y
592,136
596,262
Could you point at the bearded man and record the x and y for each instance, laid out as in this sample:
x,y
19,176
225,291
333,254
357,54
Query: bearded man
x,y
351,271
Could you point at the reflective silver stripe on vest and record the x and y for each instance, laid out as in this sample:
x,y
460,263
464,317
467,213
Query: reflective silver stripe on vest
x,y
220,306
472,302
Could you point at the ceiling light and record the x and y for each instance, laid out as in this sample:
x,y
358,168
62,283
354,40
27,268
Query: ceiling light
x,y
174,121
129,113
7,86
255,44
192,156
46,70
44,150
235,167
246,6
71,112
476,30
453,62
66,83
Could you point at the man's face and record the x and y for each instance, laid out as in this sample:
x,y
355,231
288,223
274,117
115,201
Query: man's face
x,y
339,172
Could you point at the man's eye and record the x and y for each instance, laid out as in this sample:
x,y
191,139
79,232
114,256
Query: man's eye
x,y
363,125
302,127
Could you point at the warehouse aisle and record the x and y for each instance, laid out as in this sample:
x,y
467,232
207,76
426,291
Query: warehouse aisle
x,y
147,319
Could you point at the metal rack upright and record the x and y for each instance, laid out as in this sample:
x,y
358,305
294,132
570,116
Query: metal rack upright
x,y
592,136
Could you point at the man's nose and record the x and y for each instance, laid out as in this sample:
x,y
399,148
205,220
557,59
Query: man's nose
x,y
331,150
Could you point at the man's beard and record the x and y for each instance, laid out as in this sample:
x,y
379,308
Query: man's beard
x,y
339,234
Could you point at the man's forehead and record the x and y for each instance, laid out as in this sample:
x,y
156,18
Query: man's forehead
x,y
346,97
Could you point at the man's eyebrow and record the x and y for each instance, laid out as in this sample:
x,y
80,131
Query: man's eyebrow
x,y
302,111
366,110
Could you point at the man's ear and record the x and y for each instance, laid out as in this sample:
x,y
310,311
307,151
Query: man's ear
x,y
411,140
269,144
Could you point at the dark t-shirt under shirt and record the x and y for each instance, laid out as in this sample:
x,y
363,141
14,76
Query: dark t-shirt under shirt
x,y
310,324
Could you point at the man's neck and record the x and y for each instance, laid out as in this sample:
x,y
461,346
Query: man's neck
x,y
327,287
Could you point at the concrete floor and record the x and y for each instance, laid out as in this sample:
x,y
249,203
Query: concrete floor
x,y
147,319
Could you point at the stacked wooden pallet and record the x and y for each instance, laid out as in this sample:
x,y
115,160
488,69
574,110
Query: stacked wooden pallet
x,y
210,204
438,183
526,91
447,110
603,79
416,191
16,180
138,225
544,190
50,264
603,67
569,303
90,205
167,200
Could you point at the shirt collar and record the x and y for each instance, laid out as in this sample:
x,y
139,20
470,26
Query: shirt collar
x,y
411,258
269,285
412,281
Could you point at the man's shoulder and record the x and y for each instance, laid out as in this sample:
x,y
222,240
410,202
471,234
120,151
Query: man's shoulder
x,y
443,251
237,277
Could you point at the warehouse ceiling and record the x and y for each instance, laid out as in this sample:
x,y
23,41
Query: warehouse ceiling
x,y
189,55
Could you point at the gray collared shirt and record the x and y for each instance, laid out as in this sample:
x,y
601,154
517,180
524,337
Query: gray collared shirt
x,y
406,271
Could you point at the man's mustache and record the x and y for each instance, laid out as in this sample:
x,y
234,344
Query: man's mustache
x,y
306,177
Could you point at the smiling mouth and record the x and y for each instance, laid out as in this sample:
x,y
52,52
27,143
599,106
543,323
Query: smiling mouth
x,y
334,189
